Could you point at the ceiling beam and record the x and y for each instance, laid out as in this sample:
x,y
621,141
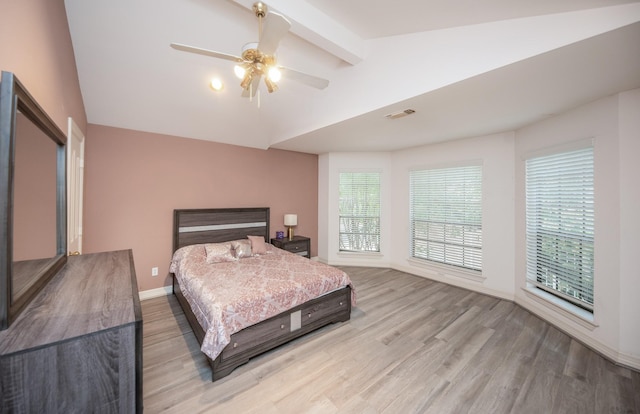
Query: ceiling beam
x,y
317,28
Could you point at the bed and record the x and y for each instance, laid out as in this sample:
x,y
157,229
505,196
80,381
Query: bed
x,y
297,295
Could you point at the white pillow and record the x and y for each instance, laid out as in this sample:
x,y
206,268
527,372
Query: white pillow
x,y
219,252
241,248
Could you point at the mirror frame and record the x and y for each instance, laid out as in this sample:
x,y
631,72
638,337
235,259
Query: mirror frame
x,y
15,98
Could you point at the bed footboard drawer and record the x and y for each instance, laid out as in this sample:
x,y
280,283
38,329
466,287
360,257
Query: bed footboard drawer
x,y
330,304
255,335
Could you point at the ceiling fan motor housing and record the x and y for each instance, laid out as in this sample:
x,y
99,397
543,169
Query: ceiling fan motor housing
x,y
258,61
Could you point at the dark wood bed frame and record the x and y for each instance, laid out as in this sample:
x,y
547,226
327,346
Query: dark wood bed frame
x,y
197,226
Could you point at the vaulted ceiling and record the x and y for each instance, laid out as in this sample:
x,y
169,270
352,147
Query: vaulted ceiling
x,y
467,68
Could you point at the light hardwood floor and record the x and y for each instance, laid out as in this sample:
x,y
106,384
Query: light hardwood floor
x,y
412,346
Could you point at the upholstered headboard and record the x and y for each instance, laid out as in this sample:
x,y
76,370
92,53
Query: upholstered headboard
x,y
215,225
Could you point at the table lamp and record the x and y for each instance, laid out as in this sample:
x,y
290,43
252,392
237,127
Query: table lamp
x,y
290,220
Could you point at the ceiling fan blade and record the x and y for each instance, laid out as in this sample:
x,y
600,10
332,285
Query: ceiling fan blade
x,y
275,28
255,83
206,52
309,80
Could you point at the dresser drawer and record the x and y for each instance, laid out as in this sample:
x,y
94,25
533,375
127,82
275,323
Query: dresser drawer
x,y
257,334
331,304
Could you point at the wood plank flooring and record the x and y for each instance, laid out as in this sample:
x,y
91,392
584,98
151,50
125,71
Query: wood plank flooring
x,y
412,346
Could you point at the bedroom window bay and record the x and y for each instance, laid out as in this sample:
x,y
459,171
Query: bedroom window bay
x,y
560,225
359,212
446,215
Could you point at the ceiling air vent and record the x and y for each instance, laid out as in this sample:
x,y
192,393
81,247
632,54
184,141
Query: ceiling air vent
x,y
397,115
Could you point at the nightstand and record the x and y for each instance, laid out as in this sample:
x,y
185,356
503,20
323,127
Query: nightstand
x,y
299,245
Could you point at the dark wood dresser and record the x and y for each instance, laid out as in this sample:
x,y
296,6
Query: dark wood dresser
x,y
77,347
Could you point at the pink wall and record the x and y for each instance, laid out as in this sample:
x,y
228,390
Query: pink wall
x,y
134,180
36,46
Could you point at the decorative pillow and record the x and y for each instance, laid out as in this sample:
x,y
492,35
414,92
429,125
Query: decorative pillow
x,y
219,252
258,246
241,248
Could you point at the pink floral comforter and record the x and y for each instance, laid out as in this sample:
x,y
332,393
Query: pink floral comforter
x,y
227,297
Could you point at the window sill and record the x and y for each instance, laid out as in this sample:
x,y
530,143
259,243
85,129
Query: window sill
x,y
447,270
566,309
360,254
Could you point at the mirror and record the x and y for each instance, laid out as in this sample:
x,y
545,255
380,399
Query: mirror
x,y
33,213
34,205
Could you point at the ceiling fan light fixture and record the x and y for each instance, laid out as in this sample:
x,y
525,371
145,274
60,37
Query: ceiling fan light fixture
x,y
248,78
274,74
216,84
239,71
271,86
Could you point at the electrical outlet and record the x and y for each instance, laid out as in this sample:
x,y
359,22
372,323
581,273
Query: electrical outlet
x,y
154,271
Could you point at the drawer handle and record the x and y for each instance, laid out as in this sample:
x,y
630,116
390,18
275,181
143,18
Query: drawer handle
x,y
340,303
282,326
235,344
309,315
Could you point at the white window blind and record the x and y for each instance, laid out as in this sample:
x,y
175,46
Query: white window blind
x,y
560,225
446,215
359,212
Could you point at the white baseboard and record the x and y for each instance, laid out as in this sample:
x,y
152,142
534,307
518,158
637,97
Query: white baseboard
x,y
629,361
155,293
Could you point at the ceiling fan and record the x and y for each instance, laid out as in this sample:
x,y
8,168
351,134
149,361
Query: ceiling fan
x,y
258,58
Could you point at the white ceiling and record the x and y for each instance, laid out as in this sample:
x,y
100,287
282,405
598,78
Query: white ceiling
x,y
467,67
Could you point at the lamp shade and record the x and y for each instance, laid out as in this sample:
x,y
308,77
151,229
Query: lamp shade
x,y
290,219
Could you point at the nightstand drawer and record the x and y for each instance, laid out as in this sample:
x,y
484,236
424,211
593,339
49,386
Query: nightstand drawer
x,y
299,245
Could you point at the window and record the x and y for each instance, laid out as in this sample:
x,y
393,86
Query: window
x,y
559,220
446,215
359,213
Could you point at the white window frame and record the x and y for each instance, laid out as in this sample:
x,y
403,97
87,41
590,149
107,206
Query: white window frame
x,y
559,199
445,224
359,225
